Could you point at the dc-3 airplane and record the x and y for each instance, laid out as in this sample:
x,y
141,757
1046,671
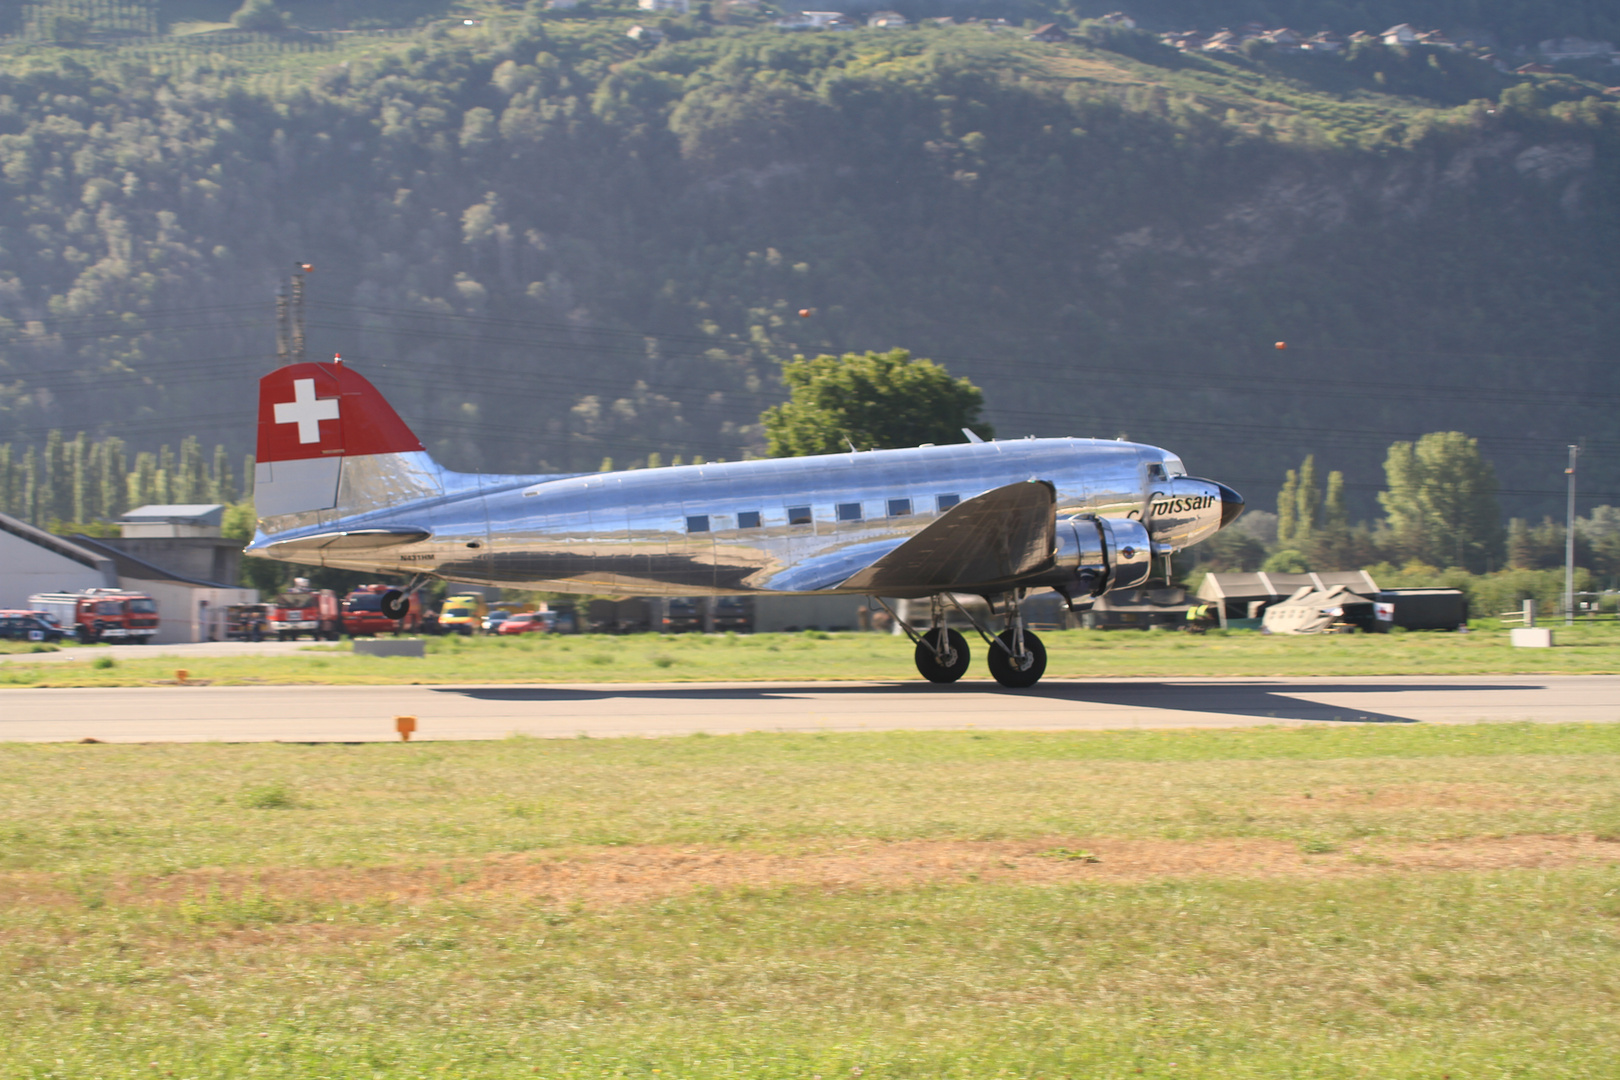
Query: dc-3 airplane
x,y
341,481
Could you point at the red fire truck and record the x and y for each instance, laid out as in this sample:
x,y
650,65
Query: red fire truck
x,y
302,610
116,615
381,609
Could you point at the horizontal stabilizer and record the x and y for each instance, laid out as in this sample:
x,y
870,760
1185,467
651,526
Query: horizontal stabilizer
x,y
356,540
1006,533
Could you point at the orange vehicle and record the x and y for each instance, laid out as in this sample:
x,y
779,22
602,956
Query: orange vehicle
x,y
302,610
369,610
115,615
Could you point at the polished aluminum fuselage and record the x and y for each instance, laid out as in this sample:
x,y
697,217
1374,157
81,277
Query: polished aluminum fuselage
x,y
691,530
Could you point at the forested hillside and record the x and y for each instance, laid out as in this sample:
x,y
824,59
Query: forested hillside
x,y
550,243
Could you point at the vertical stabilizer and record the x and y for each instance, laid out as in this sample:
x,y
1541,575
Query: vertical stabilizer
x,y
329,441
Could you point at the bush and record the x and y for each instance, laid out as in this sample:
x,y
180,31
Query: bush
x,y
259,15
269,797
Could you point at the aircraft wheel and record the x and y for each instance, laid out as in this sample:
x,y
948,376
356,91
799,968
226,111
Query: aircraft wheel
x,y
1009,672
394,604
956,657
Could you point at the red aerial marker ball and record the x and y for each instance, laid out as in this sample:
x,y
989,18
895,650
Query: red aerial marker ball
x,y
1282,344
804,313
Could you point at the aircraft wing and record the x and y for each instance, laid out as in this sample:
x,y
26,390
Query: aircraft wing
x,y
1006,533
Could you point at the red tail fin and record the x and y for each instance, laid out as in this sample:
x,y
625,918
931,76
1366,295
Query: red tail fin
x,y
311,417
320,410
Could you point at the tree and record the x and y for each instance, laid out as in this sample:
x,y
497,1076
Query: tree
x,y
1440,503
259,15
1332,545
67,29
870,400
1287,506
1309,501
1298,505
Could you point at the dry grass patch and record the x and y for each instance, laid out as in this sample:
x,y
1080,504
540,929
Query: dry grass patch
x,y
609,877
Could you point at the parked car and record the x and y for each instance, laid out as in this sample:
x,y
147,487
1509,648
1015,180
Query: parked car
x,y
526,622
681,615
733,613
492,621
28,626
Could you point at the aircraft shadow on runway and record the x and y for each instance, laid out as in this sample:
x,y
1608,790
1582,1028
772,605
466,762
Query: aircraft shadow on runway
x,y
1262,701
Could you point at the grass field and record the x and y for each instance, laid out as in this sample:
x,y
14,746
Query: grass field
x,y
1592,648
1375,901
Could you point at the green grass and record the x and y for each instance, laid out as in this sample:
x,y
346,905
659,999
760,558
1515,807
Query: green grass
x,y
164,808
1592,648
1498,975
363,911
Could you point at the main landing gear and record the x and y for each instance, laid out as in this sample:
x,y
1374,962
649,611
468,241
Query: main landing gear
x,y
1016,657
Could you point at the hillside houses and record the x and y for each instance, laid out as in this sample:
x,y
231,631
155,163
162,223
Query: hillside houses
x,y
1287,39
1234,39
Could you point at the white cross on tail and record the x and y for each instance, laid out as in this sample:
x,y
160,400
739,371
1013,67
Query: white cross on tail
x,y
306,410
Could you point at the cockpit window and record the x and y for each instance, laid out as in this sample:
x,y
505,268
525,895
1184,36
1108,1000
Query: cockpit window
x,y
1174,467
1156,472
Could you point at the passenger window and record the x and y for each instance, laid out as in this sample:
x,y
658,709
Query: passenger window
x,y
748,519
849,511
899,507
798,515
697,523
945,502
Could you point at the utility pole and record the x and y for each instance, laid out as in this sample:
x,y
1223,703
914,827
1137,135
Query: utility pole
x,y
281,329
290,318
1569,541
298,312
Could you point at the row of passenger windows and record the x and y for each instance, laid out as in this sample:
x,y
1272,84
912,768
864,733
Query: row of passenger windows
x,y
801,515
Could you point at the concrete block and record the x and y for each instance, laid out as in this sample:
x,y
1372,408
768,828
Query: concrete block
x,y
384,646
1531,637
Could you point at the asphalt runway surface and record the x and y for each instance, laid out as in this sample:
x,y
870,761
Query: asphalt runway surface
x,y
367,713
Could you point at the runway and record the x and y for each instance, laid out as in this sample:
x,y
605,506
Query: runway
x,y
366,713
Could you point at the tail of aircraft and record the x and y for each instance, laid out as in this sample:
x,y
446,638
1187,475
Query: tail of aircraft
x,y
331,446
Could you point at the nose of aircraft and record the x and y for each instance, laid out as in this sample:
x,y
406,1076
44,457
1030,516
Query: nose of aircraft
x,y
1231,504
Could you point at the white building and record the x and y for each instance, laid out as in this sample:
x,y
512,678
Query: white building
x,y
34,561
1400,34
189,609
812,20
673,7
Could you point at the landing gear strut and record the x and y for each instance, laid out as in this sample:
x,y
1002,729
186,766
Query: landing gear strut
x,y
1021,658
396,603
1017,658
942,653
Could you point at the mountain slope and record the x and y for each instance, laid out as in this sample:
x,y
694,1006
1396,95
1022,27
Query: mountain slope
x,y
550,244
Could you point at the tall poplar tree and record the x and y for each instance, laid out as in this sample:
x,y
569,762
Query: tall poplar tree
x,y
78,453
46,494
112,469
1307,501
221,487
28,510
1287,508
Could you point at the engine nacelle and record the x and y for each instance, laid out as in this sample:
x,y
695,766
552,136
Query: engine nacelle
x,y
1099,555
